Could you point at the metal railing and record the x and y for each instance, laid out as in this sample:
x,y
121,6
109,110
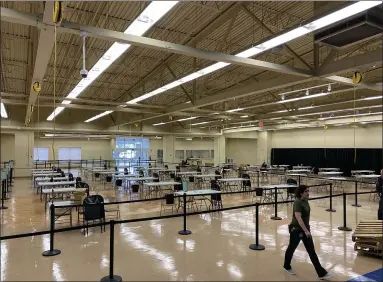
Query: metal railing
x,y
184,231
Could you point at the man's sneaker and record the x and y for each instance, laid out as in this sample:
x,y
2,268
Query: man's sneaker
x,y
326,277
289,271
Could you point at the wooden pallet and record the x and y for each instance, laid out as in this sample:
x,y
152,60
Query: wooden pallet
x,y
368,237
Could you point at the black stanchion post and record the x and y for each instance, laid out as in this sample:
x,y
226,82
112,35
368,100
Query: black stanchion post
x,y
184,231
331,209
356,196
3,195
111,277
276,217
257,246
344,227
299,180
257,178
52,252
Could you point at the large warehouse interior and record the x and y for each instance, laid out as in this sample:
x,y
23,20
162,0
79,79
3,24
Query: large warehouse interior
x,y
184,130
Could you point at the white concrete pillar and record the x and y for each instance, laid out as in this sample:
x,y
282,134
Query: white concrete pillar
x,y
264,147
24,146
219,150
168,148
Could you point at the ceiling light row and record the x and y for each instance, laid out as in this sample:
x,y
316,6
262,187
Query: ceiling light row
x,y
153,12
324,21
182,119
3,111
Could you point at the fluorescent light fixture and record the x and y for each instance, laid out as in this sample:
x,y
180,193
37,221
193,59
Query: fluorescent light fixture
x,y
373,98
203,122
189,139
357,115
235,110
336,111
3,111
282,111
306,108
160,123
189,118
339,15
245,116
276,118
303,98
98,116
153,12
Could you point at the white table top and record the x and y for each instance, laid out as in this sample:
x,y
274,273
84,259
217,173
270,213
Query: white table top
x,y
62,190
233,179
279,186
43,179
298,170
197,192
368,176
161,183
301,166
331,173
41,169
141,178
329,169
42,174
102,171
188,172
296,174
206,175
336,178
56,183
69,203
362,171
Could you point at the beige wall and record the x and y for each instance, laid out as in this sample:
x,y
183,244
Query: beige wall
x,y
333,137
154,146
243,151
195,144
90,149
7,142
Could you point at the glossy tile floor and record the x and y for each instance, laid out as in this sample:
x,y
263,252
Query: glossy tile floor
x,y
218,248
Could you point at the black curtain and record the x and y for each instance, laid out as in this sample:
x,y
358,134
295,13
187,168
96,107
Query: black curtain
x,y
342,158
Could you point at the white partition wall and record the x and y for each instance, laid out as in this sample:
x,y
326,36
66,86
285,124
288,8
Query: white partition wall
x,y
24,147
219,150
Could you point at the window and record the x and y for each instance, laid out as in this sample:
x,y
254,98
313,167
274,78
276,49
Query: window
x,y
66,154
41,154
131,151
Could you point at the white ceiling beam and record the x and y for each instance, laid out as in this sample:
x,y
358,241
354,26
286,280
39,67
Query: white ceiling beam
x,y
351,63
115,36
43,55
82,107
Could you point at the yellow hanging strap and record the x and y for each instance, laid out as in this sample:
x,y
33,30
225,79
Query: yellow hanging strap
x,y
57,18
354,128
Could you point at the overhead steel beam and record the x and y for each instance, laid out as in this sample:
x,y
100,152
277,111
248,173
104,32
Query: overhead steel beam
x,y
351,63
287,47
182,87
348,81
213,25
84,107
233,93
59,98
150,43
43,55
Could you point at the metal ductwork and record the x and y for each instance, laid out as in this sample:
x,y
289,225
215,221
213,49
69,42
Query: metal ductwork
x,y
353,30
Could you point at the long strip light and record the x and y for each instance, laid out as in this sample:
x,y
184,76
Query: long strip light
x,y
3,111
153,12
357,115
98,116
182,119
337,111
304,97
324,21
